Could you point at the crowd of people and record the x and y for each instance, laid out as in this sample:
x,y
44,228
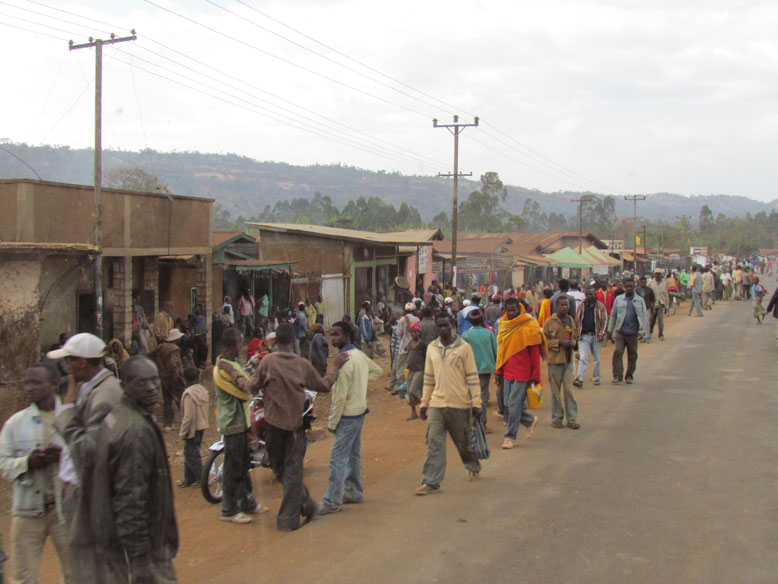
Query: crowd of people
x,y
89,462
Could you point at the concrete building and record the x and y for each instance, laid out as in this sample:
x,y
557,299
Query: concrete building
x,y
155,246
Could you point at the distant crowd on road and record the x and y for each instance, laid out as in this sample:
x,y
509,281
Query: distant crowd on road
x,y
89,463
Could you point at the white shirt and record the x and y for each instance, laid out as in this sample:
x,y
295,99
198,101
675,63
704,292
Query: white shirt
x,y
67,471
577,294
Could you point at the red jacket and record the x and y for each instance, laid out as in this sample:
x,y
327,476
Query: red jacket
x,y
606,299
523,366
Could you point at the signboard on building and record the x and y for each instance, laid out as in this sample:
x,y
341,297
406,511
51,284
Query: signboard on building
x,y
614,245
424,258
698,251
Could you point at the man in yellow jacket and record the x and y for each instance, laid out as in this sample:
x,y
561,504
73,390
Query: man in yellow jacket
x,y
451,394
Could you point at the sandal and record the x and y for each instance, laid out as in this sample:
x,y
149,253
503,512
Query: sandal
x,y
557,424
573,425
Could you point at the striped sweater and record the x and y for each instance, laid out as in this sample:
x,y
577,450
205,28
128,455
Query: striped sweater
x,y
450,376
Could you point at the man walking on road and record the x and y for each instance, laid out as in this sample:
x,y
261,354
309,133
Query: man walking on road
x,y
626,324
484,345
92,392
132,511
520,345
561,333
591,319
659,286
347,415
695,285
284,377
452,395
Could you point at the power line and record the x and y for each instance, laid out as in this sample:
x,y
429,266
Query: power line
x,y
287,61
565,169
555,177
31,30
318,117
342,54
331,60
251,109
42,14
353,140
557,167
400,150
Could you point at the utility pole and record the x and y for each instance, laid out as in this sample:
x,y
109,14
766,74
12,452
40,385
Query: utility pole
x,y
98,218
684,219
635,199
581,201
456,128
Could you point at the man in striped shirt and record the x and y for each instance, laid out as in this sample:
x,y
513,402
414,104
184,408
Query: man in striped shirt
x,y
451,394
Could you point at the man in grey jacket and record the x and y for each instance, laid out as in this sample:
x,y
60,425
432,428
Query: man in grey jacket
x,y
92,392
627,323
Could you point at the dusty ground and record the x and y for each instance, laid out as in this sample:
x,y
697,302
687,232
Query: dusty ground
x,y
390,445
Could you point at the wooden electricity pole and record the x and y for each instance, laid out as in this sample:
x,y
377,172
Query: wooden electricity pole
x,y
581,201
98,219
635,199
456,128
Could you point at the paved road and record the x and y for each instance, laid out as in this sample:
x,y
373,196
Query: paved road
x,y
672,479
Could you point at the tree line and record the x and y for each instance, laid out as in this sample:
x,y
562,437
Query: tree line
x,y
483,210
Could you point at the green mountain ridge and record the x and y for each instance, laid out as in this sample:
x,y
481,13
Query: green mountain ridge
x,y
244,186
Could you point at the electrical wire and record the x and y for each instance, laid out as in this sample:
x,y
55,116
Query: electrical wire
x,y
48,95
248,106
331,60
400,151
288,62
32,31
317,119
284,119
549,163
360,63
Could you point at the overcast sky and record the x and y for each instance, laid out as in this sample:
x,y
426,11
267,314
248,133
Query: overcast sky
x,y
612,96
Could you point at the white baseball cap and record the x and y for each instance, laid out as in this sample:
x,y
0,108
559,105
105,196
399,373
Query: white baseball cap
x,y
84,345
448,300
465,303
173,335
410,306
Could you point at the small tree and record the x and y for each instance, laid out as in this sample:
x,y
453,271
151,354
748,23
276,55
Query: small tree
x,y
134,179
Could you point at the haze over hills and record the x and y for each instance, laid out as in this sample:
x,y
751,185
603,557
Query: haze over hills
x,y
244,186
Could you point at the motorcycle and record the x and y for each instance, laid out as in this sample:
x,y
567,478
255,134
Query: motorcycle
x,y
211,481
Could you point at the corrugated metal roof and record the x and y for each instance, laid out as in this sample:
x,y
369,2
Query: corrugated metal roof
x,y
220,237
493,244
391,238
416,234
61,247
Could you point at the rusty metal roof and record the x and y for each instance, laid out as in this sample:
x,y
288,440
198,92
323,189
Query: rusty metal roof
x,y
55,247
219,237
414,237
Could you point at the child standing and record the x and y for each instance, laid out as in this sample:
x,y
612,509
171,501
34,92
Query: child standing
x,y
194,421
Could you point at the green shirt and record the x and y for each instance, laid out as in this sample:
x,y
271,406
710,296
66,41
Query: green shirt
x,y
484,345
232,414
684,278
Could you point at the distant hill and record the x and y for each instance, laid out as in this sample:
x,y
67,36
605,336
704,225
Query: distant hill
x,y
244,186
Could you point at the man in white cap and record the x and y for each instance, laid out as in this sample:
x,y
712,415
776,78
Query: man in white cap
x,y
171,374
92,392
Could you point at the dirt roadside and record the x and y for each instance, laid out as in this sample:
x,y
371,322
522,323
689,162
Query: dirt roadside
x,y
389,443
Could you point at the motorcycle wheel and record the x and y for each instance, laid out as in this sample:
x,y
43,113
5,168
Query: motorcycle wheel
x,y
211,481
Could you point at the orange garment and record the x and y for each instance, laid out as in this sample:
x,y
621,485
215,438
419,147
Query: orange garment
x,y
513,336
545,311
